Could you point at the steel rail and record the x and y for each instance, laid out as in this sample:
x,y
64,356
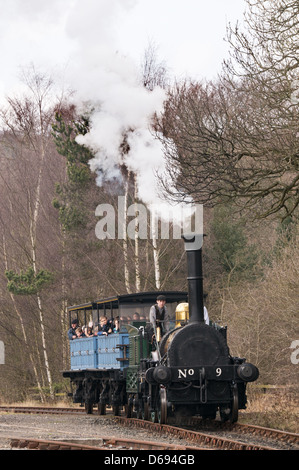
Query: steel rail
x,y
195,437
106,442
277,434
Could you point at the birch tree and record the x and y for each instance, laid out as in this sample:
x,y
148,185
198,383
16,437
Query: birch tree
x,y
28,119
154,73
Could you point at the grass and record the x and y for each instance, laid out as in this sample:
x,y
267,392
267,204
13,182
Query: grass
x,y
278,409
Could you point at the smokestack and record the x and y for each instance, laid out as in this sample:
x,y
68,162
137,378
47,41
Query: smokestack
x,y
193,247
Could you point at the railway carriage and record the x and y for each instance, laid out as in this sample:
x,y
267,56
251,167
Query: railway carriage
x,y
190,371
104,369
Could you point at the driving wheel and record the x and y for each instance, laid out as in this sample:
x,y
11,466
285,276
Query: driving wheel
x,y
163,406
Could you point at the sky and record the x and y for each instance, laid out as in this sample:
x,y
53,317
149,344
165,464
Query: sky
x,y
95,48
189,34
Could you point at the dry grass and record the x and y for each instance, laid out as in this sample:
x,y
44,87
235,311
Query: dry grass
x,y
31,402
277,409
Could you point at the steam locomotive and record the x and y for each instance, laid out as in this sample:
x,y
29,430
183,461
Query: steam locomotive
x,y
189,371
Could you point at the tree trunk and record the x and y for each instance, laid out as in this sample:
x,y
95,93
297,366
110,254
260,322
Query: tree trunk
x,y
137,267
125,239
21,322
33,229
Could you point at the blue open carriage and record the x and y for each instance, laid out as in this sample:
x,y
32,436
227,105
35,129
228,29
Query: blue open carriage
x,y
100,352
112,351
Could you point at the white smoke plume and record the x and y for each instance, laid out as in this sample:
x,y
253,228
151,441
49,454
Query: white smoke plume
x,y
112,83
103,78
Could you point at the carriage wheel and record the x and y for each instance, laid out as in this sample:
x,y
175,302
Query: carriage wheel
x,y
88,407
146,412
101,408
129,409
116,410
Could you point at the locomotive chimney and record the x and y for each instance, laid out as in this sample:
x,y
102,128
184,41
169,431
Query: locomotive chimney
x,y
193,247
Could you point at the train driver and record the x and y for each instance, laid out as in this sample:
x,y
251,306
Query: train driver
x,y
159,316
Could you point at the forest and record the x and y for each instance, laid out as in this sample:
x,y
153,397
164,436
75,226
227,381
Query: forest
x,y
231,145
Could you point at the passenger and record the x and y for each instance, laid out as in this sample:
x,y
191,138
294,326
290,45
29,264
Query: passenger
x,y
136,316
72,331
159,316
116,326
79,333
105,326
88,332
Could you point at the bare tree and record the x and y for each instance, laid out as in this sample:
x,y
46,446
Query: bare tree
x,y
153,72
237,138
28,120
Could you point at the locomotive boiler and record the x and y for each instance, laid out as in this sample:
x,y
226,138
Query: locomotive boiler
x,y
189,372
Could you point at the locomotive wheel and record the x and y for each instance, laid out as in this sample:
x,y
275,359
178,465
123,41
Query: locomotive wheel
x,y
163,406
231,414
235,406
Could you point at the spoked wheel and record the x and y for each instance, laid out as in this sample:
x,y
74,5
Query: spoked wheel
x,y
163,406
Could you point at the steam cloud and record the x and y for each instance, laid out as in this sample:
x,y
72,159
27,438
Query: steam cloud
x,y
123,106
103,79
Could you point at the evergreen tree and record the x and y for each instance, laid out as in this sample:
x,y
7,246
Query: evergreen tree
x,y
69,200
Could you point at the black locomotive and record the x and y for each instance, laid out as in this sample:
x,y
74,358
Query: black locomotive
x,y
188,372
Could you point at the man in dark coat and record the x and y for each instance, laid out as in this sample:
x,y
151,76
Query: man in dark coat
x,y
72,331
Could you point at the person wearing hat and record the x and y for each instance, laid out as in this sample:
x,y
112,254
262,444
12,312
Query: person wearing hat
x,y
159,316
72,331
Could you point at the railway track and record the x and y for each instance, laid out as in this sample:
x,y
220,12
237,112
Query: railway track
x,y
107,443
216,438
211,441
276,434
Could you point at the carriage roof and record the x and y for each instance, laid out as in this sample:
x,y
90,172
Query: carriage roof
x,y
131,299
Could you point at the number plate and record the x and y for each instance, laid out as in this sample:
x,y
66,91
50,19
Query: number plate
x,y
187,374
